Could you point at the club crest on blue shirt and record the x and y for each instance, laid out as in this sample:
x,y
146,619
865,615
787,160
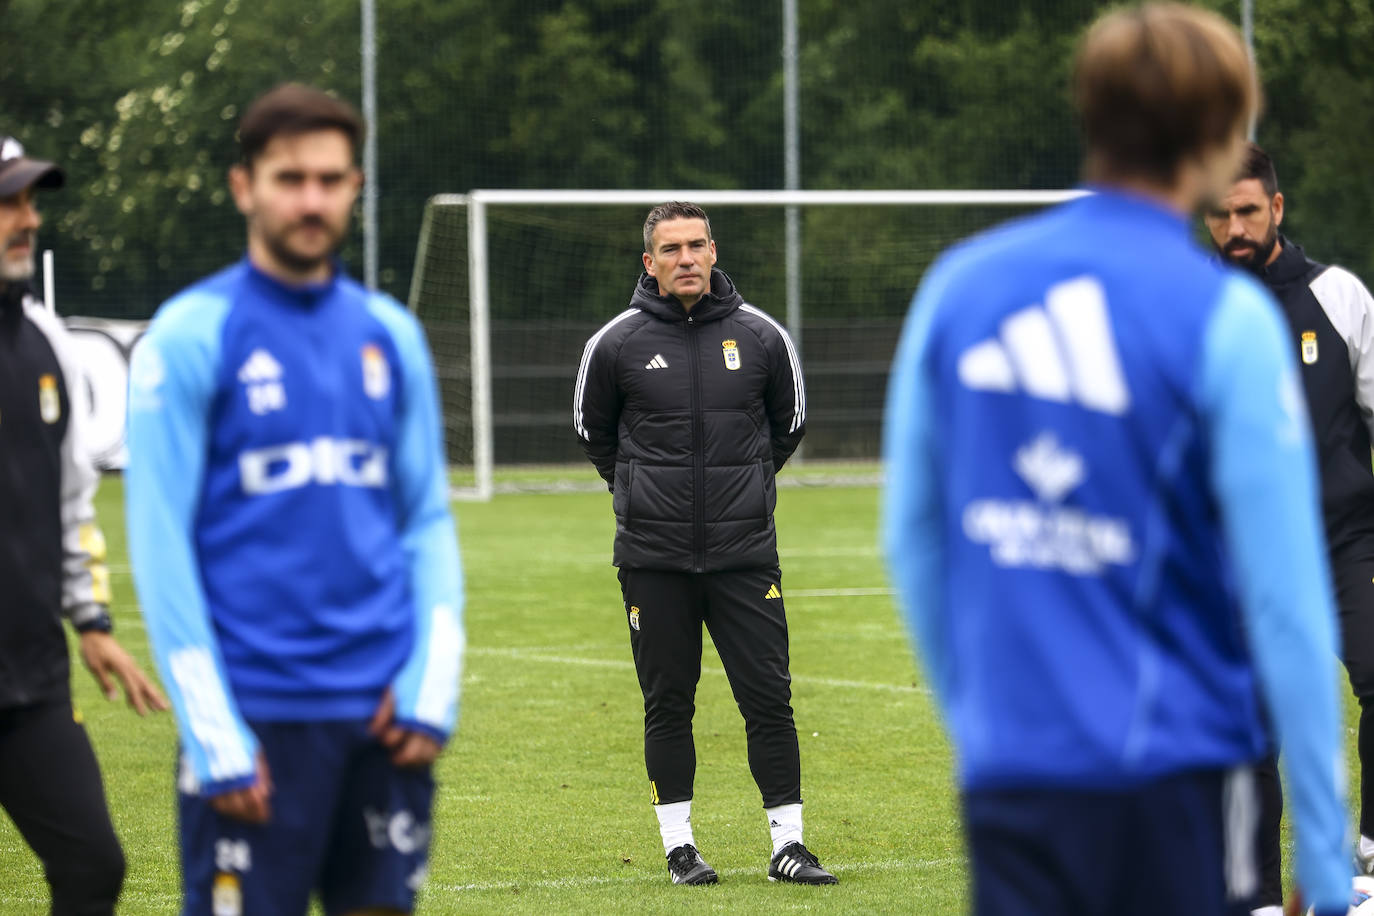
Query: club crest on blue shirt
x,y
376,372
730,349
1309,347
49,404
226,895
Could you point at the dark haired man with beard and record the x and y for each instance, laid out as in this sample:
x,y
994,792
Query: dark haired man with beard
x,y
1331,317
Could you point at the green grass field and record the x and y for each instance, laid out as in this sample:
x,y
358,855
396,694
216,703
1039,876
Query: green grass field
x,y
543,801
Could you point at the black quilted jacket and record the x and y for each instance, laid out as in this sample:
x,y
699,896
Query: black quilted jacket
x,y
688,417
51,553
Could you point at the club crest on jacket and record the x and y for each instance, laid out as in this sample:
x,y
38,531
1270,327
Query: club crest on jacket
x,y
731,351
1309,347
49,404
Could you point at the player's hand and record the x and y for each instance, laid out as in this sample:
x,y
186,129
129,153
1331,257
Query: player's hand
x,y
250,804
108,661
408,748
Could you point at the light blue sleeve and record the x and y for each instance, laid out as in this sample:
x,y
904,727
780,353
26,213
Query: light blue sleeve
x,y
912,526
1263,473
172,384
426,689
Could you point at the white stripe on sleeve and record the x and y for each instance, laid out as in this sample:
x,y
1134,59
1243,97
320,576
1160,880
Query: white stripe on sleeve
x,y
587,352
798,387
1350,309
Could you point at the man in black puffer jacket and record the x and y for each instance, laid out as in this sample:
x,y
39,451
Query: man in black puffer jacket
x,y
688,403
1331,317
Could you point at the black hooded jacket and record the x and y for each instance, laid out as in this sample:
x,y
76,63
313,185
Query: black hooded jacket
x,y
1331,316
51,553
688,417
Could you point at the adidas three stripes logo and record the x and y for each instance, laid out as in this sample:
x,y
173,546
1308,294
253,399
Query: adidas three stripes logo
x,y
1062,351
658,362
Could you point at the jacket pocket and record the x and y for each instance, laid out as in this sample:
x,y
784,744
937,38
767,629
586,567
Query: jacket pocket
x,y
738,493
624,484
770,487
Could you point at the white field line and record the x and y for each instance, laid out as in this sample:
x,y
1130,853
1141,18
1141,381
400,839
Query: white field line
x,y
827,552
583,881
549,658
125,569
528,655
657,878
836,592
136,622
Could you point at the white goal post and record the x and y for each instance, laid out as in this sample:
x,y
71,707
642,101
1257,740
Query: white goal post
x,y
478,205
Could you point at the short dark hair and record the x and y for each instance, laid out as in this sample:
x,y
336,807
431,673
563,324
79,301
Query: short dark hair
x,y
1258,165
673,209
1157,84
293,108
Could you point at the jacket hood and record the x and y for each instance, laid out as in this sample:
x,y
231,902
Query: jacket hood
x,y
12,296
1289,267
721,300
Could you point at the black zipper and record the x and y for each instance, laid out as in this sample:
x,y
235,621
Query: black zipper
x,y
698,453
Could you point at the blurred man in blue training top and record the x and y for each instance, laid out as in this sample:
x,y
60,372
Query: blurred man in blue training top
x,y
293,548
1101,516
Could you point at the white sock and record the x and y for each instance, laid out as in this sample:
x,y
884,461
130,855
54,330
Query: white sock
x,y
785,823
675,824
1267,911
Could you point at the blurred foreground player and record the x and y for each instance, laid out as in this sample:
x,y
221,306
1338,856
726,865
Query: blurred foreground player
x,y
1100,483
52,562
293,548
1330,325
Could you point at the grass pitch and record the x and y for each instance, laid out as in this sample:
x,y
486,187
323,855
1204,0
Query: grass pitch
x,y
543,801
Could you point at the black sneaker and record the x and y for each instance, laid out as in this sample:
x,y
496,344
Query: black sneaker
x,y
795,863
687,866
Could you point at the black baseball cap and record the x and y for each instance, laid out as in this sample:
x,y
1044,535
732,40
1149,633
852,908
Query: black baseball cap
x,y
18,172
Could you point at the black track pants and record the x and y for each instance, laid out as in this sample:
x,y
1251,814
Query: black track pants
x,y
1352,573
1269,852
665,612
50,787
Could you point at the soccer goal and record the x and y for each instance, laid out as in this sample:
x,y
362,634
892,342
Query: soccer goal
x,y
509,284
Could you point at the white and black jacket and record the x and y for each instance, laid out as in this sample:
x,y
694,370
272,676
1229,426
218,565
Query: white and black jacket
x,y
688,417
51,552
1331,316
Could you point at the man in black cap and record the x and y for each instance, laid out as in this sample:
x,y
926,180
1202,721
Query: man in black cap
x,y
52,565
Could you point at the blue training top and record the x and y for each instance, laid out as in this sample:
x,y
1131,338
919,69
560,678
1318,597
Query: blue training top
x,y
288,515
1102,519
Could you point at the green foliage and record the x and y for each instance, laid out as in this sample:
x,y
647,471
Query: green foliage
x,y
1315,58
138,99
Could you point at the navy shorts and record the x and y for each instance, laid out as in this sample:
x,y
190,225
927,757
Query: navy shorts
x,y
1183,844
346,824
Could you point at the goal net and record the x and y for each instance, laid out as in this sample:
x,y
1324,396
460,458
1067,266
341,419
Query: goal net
x,y
510,285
